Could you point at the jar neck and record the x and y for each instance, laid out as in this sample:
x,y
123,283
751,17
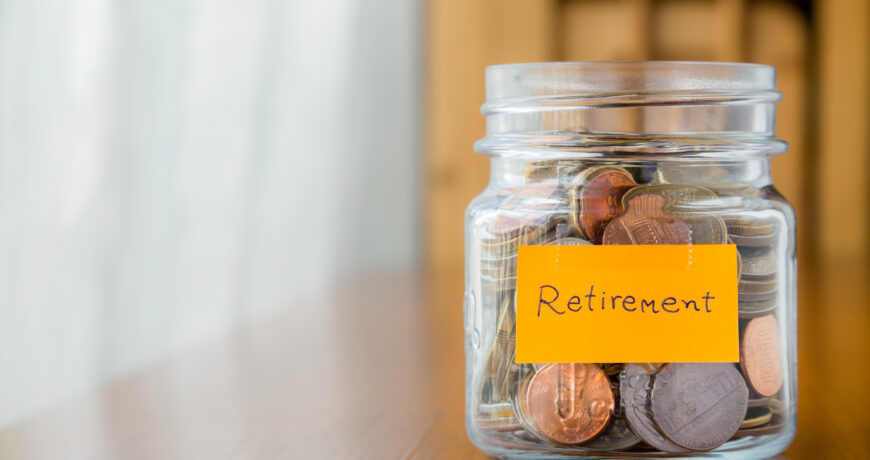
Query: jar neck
x,y
754,171
631,110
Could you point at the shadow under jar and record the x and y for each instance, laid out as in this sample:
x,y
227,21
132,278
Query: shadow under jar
x,y
638,154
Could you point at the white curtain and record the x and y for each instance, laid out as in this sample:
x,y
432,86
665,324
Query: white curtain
x,y
171,167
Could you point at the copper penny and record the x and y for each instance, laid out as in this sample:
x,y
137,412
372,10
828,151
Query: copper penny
x,y
699,405
646,222
600,200
760,358
569,403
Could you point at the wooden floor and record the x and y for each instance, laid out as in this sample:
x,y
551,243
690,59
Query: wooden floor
x,y
375,370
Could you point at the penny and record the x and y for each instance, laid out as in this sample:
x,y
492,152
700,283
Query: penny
x,y
681,198
758,262
617,436
600,199
634,390
755,417
683,202
760,357
569,403
646,222
699,406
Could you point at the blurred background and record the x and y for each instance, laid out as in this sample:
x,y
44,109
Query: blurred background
x,y
172,168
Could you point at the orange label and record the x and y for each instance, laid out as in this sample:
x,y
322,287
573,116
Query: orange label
x,y
624,304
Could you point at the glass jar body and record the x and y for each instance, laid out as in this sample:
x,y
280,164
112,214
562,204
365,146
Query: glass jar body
x,y
552,199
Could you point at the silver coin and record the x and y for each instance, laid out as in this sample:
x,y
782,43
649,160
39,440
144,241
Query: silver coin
x,y
754,309
634,387
699,405
754,241
569,242
617,436
758,262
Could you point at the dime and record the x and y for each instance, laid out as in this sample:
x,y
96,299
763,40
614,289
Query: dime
x,y
699,406
760,358
634,392
617,436
756,416
600,199
569,403
646,222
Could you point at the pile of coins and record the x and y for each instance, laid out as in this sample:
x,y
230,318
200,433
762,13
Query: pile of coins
x,y
628,407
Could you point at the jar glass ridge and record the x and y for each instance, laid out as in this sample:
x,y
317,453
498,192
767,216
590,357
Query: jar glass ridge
x,y
573,145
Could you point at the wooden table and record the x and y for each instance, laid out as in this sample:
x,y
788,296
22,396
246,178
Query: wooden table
x,y
375,370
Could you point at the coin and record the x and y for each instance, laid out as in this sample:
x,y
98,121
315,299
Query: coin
x,y
749,227
758,261
617,436
634,390
699,406
600,199
760,287
706,229
776,424
683,202
685,174
646,222
747,297
764,240
569,242
754,309
758,402
681,198
497,417
569,403
760,357
756,416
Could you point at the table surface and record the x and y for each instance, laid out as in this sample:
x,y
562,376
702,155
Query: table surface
x,y
375,370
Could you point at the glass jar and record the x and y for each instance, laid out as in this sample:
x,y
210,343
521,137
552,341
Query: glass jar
x,y
588,155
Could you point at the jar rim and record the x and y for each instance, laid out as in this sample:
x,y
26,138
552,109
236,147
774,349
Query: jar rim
x,y
572,78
